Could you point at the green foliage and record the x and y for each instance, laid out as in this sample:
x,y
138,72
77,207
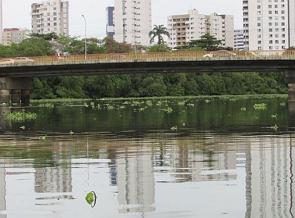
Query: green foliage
x,y
158,32
18,117
159,48
28,47
111,46
206,42
91,198
159,85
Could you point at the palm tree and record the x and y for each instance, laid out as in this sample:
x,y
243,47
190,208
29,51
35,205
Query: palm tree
x,y
158,32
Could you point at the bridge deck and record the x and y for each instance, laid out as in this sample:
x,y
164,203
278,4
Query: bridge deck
x,y
175,62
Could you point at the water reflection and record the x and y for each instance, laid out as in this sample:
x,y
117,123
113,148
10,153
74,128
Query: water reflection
x,y
2,190
155,175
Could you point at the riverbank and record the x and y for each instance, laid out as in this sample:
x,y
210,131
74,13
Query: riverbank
x,y
202,97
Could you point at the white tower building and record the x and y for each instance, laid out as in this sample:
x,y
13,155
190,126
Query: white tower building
x,y
1,23
269,24
133,21
191,26
50,17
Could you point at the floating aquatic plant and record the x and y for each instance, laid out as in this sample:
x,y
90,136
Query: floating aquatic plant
x,y
174,128
261,106
91,198
243,109
168,110
21,116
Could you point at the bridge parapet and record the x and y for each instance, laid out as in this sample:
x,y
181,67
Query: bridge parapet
x,y
149,57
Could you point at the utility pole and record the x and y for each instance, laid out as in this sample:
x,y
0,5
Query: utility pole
x,y
85,39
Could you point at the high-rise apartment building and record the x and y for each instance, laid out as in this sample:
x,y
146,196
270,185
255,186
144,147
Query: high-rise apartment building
x,y
50,17
239,40
191,26
1,22
14,35
133,21
110,28
269,24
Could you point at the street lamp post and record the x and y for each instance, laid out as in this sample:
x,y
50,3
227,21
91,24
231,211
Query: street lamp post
x,y
85,39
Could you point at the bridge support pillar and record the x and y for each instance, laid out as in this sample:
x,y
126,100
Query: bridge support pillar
x,y
15,91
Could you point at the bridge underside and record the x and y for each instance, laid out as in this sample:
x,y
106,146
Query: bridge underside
x,y
15,91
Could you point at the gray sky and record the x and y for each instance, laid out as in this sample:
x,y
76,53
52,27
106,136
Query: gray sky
x,y
16,13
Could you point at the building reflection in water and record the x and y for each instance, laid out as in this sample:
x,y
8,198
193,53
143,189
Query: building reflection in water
x,y
269,178
135,180
2,191
209,159
56,178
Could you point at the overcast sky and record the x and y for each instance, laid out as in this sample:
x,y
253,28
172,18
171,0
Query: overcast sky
x,y
16,13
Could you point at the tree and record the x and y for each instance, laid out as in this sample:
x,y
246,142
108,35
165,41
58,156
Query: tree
x,y
111,46
47,37
206,42
159,48
158,32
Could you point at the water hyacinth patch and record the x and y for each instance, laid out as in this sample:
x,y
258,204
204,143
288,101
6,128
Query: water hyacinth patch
x,y
261,106
21,116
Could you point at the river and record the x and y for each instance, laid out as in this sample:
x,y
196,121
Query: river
x,y
162,158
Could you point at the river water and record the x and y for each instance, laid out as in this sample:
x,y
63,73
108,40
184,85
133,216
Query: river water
x,y
149,158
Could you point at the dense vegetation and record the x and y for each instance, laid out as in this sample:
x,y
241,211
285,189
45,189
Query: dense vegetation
x,y
138,85
159,85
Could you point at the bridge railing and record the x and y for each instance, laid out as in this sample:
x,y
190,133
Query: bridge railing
x,y
150,57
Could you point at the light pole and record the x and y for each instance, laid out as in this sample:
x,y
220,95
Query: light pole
x,y
85,39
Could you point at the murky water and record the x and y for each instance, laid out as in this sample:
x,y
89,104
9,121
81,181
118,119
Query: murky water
x,y
219,160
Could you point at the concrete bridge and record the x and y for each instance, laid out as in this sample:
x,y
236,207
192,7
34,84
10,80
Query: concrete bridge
x,y
16,73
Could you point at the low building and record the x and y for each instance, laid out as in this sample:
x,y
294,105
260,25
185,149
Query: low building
x,y
239,40
14,35
191,26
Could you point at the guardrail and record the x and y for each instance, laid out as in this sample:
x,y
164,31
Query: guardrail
x,y
149,57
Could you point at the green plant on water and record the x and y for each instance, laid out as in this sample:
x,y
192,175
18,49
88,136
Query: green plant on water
x,y
190,105
174,128
135,103
168,110
47,105
181,103
283,104
274,116
141,109
21,116
91,198
110,107
275,127
260,107
122,107
243,109
207,101
159,103
149,103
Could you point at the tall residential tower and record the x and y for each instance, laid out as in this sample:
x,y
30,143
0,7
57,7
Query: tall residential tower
x,y
50,17
1,23
269,24
133,21
191,26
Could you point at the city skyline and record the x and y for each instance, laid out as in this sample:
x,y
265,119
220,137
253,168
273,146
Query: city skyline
x,y
96,13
